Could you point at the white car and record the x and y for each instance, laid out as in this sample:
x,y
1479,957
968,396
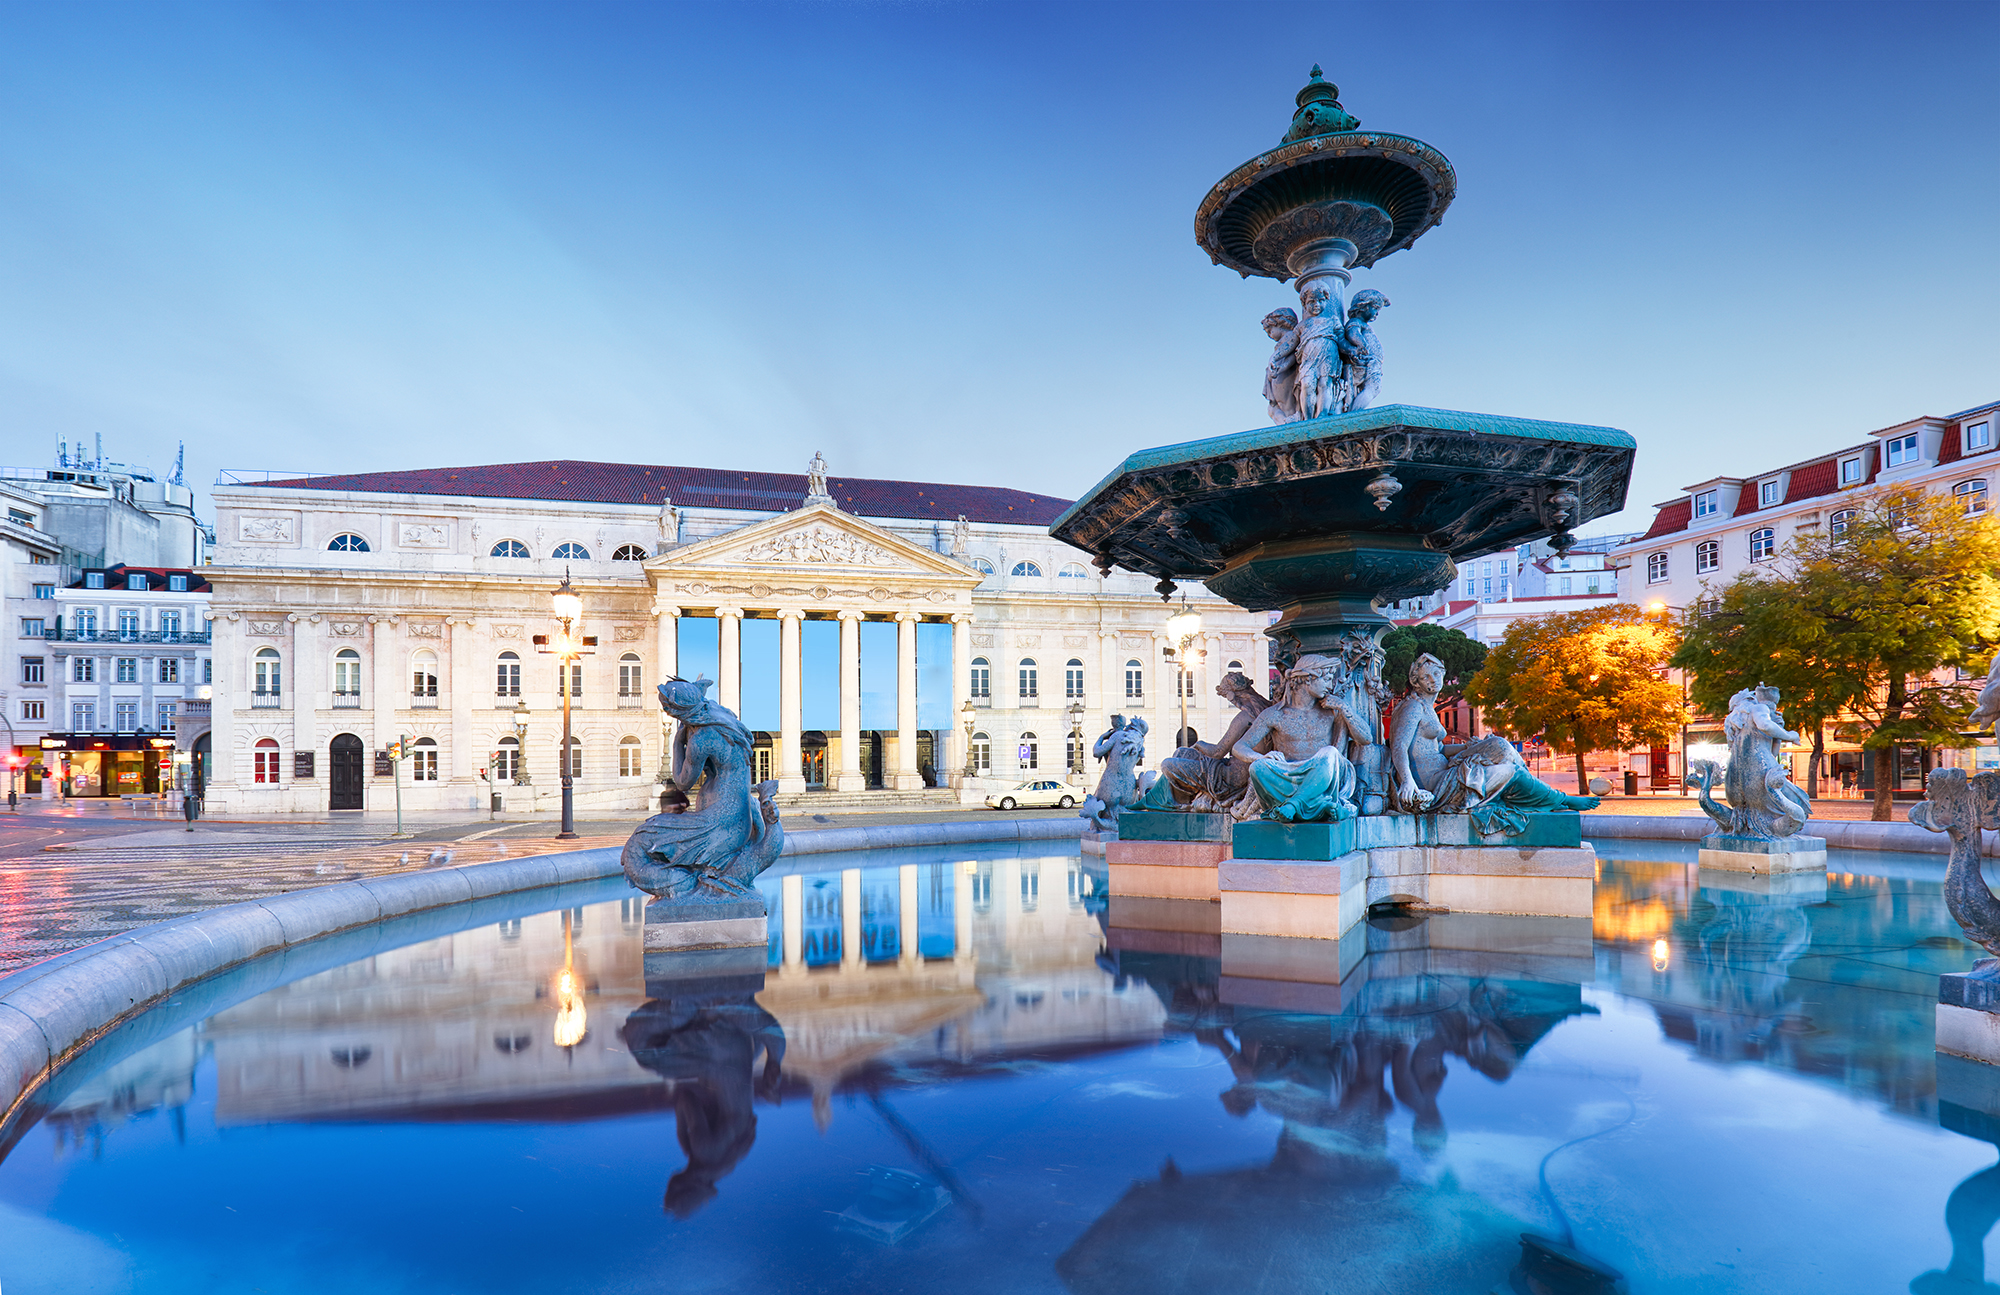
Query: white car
x,y
1042,793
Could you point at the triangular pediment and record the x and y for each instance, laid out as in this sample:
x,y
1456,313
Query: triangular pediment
x,y
815,539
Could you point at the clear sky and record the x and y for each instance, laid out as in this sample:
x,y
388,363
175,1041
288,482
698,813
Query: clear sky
x,y
954,241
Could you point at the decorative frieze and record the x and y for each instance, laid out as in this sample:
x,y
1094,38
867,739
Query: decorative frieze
x,y
820,544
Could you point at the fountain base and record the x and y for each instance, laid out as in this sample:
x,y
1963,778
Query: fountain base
x,y
673,925
1763,854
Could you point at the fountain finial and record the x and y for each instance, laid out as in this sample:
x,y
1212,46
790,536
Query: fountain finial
x,y
1319,111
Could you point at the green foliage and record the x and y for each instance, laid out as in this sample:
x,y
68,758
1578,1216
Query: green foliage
x,y
1462,657
1589,680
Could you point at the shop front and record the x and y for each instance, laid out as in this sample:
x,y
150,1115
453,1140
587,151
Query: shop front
x,y
108,764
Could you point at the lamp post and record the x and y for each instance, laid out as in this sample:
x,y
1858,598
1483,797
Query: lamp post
x,y
1076,742
971,713
566,606
520,770
1182,628
1660,607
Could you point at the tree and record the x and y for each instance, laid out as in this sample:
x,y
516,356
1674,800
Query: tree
x,y
1902,591
1748,635
1462,657
1586,681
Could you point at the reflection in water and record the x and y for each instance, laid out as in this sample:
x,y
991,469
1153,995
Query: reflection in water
x,y
572,1017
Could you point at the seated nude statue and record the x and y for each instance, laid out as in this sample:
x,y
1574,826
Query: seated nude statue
x,y
1295,749
1207,777
1485,778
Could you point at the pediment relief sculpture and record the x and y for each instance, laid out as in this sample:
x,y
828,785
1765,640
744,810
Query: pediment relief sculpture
x,y
820,543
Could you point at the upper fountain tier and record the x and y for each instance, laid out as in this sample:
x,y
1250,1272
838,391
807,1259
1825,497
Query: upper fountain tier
x,y
1330,193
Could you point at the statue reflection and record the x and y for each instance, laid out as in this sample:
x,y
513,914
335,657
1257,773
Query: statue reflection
x,y
708,1049
1969,1214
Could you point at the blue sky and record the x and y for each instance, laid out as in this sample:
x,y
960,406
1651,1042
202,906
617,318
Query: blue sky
x,y
954,242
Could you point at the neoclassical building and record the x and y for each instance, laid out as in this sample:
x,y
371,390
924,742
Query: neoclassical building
x,y
858,626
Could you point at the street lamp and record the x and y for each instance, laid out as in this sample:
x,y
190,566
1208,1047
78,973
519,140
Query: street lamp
x,y
1183,627
971,713
1076,741
1660,607
566,606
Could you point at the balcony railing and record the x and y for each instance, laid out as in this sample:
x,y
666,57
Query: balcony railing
x,y
630,700
261,700
423,701
347,701
70,634
507,700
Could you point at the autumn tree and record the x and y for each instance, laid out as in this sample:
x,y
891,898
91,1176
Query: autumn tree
x,y
1462,657
1877,611
1590,680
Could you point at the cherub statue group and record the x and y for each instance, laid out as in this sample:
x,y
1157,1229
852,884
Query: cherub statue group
x,y
1330,364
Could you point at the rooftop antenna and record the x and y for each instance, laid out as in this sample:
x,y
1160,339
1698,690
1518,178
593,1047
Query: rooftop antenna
x,y
62,452
180,461
98,463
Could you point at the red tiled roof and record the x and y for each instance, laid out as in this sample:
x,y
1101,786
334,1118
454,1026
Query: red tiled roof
x,y
114,578
576,481
1671,517
1813,480
1951,449
1746,499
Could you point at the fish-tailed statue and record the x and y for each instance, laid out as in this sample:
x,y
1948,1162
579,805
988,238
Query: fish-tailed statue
x,y
1209,777
1297,748
1486,778
1122,749
1764,802
714,849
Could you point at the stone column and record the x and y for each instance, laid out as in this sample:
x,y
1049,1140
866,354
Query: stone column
x,y
461,679
906,776
729,662
961,682
850,778
227,694
906,914
387,679
850,918
792,920
668,657
791,770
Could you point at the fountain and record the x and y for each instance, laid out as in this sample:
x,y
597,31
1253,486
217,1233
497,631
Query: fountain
x,y
1338,508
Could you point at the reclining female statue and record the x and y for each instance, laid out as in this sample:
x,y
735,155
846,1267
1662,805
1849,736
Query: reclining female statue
x,y
715,849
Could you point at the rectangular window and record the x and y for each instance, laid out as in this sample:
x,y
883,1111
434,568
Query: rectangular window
x,y
1563,585
207,670
628,760
1707,503
1135,682
33,669
1767,493
34,710
170,624
17,515
83,669
127,670
93,580
45,591
628,680
575,679
424,764
1486,586
1072,683
1978,436
1656,568
1903,449
982,681
1031,688
177,584
982,753
508,681
1471,586
86,623
170,669
170,712
32,627
128,624
82,716
126,715
136,582
1850,471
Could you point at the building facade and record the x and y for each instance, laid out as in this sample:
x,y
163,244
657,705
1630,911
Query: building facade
x,y
871,641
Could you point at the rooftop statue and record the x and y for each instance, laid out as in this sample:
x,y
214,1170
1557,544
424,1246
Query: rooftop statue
x,y
1764,803
669,522
816,481
1298,767
961,538
714,850
1209,777
1486,778
1121,748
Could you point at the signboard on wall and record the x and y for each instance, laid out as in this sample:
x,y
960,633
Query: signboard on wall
x,y
302,764
384,766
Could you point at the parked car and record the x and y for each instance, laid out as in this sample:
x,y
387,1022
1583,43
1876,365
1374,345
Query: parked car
x,y
1042,793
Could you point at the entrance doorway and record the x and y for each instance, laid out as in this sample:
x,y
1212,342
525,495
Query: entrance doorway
x,y
344,772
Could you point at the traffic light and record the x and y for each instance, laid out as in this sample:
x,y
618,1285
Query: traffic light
x,y
395,750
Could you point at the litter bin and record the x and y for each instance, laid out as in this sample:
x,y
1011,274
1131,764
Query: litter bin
x,y
1631,782
499,802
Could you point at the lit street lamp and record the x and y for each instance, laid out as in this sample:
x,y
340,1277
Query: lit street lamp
x,y
1183,627
1660,607
566,606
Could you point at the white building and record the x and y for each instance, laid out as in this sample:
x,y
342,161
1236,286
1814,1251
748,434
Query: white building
x,y
352,611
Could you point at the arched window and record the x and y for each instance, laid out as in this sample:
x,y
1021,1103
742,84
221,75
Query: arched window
x,y
507,760
1838,523
424,760
628,758
424,678
571,552
1236,666
629,553
1971,495
508,682
1073,755
982,566
267,672
1707,556
982,753
1763,543
981,684
510,549
347,543
1026,569
1029,752
1073,571
1135,681
629,683
1031,687
1073,680
264,760
347,677
1656,568
575,673
576,757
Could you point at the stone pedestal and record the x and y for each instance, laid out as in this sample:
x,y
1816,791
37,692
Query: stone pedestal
x,y
689,925
1763,854
1805,887
1094,842
1968,1012
1167,856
